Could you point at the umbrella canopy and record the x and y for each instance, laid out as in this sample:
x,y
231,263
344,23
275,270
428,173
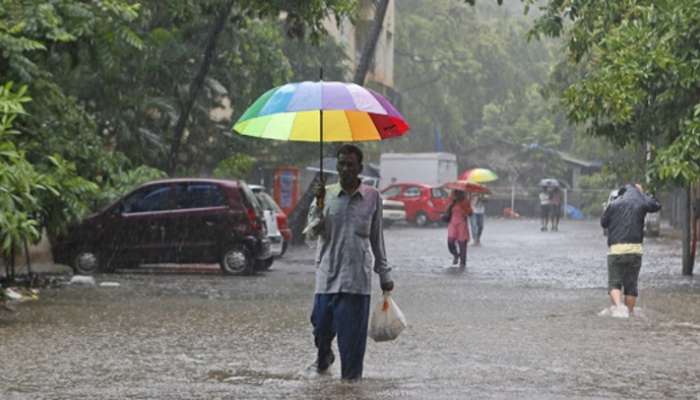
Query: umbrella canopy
x,y
549,182
467,186
321,111
479,175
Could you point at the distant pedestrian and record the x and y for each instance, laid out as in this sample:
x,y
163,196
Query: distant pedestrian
x,y
477,218
624,220
350,239
544,208
458,228
554,207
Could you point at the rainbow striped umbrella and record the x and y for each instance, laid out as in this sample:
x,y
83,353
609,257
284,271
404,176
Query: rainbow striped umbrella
x,y
321,111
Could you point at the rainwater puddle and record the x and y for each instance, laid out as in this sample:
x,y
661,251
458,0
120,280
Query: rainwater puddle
x,y
520,322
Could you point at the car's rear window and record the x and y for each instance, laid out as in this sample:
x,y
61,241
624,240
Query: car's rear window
x,y
249,198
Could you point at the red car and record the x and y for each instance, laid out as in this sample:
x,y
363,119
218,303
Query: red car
x,y
423,203
172,221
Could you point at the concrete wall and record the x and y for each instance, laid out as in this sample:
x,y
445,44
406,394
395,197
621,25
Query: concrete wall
x,y
39,255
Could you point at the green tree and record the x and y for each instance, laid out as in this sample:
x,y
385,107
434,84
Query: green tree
x,y
138,95
39,40
470,74
235,167
639,62
32,196
108,80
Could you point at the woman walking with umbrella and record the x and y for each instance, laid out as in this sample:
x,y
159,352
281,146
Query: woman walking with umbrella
x,y
458,219
458,229
458,214
478,176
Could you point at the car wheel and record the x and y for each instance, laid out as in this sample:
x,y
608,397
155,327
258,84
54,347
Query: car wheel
x,y
236,261
85,262
421,219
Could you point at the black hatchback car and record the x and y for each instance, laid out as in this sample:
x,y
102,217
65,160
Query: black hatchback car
x,y
172,221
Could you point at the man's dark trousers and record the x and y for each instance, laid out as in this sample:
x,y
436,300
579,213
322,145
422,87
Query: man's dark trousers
x,y
345,315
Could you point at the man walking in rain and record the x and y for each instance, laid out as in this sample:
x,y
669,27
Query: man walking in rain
x,y
350,239
624,220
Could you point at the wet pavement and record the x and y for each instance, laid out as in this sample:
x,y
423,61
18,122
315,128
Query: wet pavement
x,y
520,323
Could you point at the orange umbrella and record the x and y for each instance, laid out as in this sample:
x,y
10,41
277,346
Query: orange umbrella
x,y
467,186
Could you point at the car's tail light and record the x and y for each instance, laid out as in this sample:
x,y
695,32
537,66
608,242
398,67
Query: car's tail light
x,y
281,221
253,218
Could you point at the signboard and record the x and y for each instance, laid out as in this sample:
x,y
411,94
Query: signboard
x,y
286,188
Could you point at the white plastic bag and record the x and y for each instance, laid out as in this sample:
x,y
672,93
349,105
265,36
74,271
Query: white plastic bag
x,y
387,320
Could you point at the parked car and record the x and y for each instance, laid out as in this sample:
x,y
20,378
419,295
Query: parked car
x,y
652,221
423,203
277,227
392,211
172,221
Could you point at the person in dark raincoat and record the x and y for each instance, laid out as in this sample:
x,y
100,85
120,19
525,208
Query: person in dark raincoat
x,y
624,220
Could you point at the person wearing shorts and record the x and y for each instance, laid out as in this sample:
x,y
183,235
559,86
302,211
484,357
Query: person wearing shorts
x,y
624,220
623,272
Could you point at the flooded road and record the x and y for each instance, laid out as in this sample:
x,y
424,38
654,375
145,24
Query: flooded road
x,y
520,323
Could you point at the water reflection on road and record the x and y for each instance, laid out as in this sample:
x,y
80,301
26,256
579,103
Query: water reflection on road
x,y
521,322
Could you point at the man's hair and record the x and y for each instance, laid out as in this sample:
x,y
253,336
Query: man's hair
x,y
350,149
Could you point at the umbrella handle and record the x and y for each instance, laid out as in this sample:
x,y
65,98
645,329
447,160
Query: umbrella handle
x,y
319,199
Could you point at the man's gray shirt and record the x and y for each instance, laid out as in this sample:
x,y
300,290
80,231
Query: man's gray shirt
x,y
350,242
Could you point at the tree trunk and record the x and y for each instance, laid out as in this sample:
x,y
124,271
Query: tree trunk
x,y
371,44
196,85
297,219
689,221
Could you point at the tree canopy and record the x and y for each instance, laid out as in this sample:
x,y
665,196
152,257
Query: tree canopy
x,y
637,75
91,90
469,75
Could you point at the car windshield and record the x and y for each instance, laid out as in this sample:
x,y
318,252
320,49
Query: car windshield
x,y
439,193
